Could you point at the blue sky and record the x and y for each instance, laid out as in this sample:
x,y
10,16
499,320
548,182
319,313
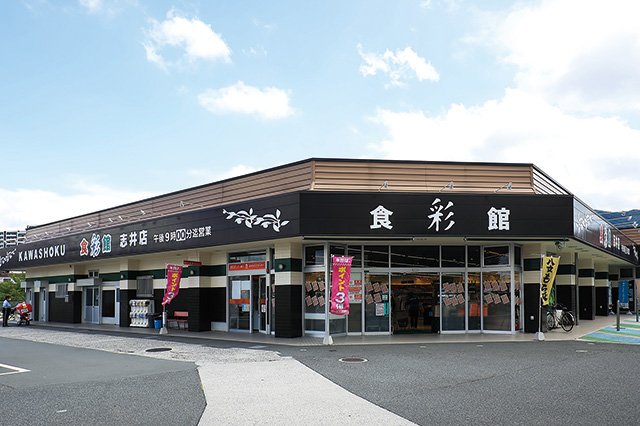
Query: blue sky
x,y
104,102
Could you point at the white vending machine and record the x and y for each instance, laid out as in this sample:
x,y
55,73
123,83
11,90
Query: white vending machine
x,y
141,312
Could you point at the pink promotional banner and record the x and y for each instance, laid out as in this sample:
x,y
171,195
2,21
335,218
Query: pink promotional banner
x,y
340,276
174,272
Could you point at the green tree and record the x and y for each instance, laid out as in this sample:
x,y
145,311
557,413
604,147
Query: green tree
x,y
12,288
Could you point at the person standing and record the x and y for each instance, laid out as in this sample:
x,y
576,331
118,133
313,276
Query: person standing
x,y
414,309
6,310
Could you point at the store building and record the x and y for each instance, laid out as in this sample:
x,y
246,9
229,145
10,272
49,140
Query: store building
x,y
437,247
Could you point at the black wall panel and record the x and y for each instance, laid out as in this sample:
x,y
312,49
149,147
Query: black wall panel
x,y
288,311
587,302
125,296
602,301
566,296
65,311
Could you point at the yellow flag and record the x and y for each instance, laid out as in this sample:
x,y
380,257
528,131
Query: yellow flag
x,y
549,268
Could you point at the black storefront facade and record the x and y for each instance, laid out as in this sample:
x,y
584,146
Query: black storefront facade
x,y
423,262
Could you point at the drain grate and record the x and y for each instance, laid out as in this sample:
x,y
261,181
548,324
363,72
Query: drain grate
x,y
353,360
158,350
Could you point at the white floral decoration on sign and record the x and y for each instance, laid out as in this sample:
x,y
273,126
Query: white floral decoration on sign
x,y
4,259
251,219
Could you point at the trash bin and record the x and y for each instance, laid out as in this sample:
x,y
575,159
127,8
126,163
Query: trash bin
x,y
155,321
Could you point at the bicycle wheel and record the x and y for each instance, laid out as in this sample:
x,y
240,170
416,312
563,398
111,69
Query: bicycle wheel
x,y
567,321
551,322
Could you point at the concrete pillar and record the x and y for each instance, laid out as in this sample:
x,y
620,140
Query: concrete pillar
x,y
531,255
566,280
601,283
289,280
614,276
586,288
128,287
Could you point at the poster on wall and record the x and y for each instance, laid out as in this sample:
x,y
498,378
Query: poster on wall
x,y
340,277
355,291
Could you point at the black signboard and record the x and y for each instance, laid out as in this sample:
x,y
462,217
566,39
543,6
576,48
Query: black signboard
x,y
334,214
594,230
435,214
269,218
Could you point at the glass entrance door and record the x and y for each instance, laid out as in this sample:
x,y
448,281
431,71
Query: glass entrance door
x,y
42,314
376,299
239,303
272,304
260,307
474,301
496,290
354,320
413,302
453,302
92,305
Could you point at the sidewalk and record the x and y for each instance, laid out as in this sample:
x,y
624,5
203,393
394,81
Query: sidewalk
x,y
257,385
585,327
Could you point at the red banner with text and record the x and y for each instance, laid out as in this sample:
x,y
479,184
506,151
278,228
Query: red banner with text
x,y
174,272
340,276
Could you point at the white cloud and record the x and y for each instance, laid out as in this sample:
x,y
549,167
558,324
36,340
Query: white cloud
x,y
28,207
270,103
576,65
93,6
399,66
592,157
194,38
584,55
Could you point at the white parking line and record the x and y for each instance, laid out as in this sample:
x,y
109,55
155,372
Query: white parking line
x,y
15,370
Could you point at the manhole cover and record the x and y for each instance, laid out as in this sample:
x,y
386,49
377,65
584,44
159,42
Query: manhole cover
x,y
158,350
352,359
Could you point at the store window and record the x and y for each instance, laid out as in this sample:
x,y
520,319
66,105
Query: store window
x,y
496,293
145,286
337,250
314,301
496,255
415,256
453,302
517,255
356,253
314,256
453,256
473,256
376,256
245,257
61,291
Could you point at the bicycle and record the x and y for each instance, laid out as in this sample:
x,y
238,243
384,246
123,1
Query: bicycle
x,y
560,316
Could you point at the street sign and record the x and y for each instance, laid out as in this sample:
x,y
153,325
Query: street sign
x,y
623,292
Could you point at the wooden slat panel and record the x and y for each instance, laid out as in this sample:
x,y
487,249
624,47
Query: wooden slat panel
x,y
278,181
320,175
543,185
633,234
369,176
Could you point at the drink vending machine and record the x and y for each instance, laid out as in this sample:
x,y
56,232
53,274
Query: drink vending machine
x,y
141,312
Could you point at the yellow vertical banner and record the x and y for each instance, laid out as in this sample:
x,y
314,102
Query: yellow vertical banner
x,y
548,271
